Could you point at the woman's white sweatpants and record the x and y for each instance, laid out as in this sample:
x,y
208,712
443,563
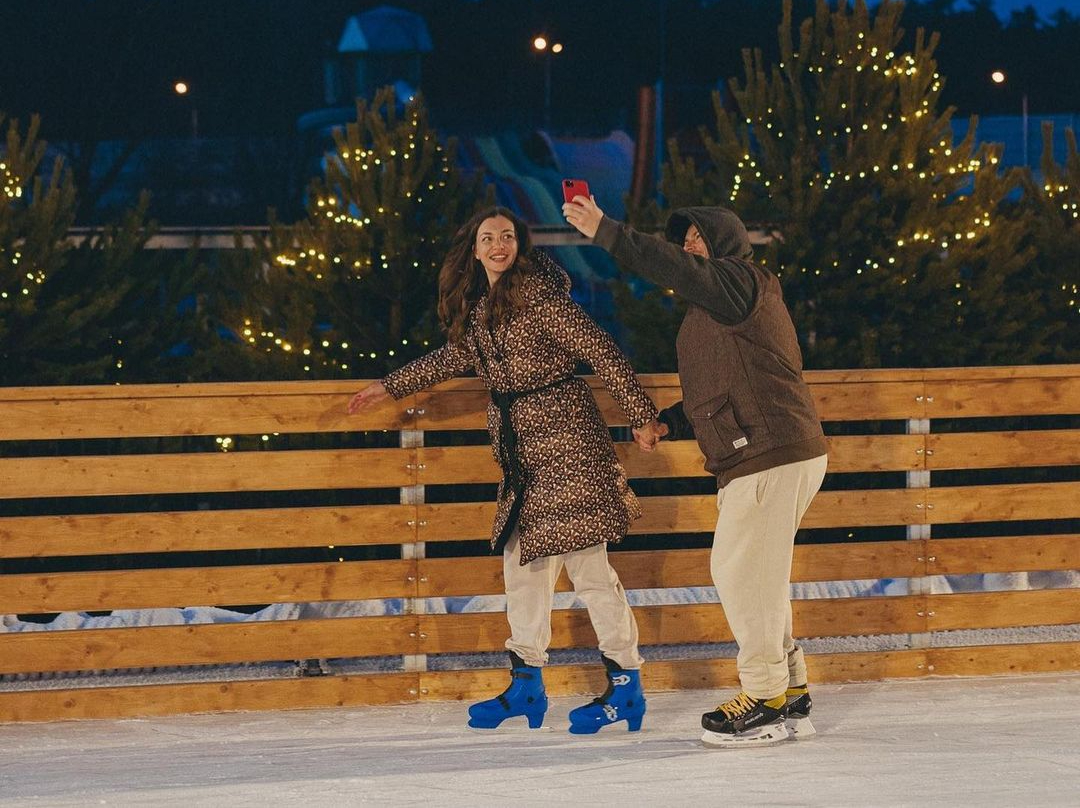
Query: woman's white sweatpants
x,y
530,590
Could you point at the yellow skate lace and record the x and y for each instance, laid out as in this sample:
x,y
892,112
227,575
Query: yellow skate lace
x,y
737,706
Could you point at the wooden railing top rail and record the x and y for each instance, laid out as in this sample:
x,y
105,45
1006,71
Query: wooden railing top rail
x,y
287,388
131,411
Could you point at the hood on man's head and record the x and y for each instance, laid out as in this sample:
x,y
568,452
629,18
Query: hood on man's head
x,y
723,231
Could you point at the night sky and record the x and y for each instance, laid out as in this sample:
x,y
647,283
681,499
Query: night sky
x,y
1043,7
104,69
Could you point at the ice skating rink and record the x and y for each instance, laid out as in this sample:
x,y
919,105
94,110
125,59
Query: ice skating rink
x,y
1006,741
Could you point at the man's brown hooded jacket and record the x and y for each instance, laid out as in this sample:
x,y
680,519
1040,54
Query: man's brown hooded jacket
x,y
740,366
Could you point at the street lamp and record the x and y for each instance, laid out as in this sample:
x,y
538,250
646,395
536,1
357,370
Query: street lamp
x,y
540,45
181,88
999,77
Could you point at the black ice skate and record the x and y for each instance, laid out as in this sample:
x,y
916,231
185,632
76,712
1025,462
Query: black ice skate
x,y
746,721
797,710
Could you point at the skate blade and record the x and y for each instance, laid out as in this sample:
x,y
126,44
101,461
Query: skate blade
x,y
762,736
586,729
511,726
801,728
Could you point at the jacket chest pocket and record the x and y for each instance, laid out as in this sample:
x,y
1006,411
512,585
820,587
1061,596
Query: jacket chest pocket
x,y
716,428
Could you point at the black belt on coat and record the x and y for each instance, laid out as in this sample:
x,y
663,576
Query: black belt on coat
x,y
509,459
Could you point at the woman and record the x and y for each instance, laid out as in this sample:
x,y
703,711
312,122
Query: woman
x,y
508,316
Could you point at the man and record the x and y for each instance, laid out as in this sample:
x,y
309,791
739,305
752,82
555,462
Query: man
x,y
745,401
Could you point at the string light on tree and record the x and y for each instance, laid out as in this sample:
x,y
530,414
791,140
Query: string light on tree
x,y
845,150
358,274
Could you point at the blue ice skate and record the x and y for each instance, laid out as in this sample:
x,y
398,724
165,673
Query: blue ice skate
x,y
622,701
525,696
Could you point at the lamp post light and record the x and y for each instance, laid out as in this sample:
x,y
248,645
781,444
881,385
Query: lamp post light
x,y
182,89
541,45
999,77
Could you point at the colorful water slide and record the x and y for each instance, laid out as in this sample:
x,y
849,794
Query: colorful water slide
x,y
540,205
607,164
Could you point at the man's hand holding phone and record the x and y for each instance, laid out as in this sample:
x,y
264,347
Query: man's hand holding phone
x,y
579,207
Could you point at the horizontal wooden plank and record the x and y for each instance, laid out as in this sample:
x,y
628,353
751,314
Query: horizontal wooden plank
x,y
472,384
859,508
470,521
455,521
993,450
468,408
1049,395
252,407
866,666
838,401
395,688
703,674
155,646
456,464
452,409
661,569
849,561
862,453
208,697
347,387
181,390
241,529
480,683
570,628
1044,607
990,660
999,373
1003,554
708,674
191,414
206,586
678,624
868,401
205,472
987,503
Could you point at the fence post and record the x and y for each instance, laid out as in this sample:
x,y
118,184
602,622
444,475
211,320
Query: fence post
x,y
413,495
919,479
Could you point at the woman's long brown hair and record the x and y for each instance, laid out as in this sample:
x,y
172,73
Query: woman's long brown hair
x,y
463,282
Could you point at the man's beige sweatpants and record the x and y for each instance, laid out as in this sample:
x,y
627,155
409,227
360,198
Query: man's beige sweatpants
x,y
751,567
531,588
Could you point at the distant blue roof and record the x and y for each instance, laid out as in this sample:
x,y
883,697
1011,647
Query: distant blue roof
x,y
385,30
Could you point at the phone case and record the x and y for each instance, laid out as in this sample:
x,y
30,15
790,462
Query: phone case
x,y
572,188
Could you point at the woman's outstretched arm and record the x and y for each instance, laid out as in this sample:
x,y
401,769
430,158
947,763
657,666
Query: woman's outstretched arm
x,y
424,372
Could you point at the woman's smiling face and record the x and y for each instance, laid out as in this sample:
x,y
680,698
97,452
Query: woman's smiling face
x,y
496,246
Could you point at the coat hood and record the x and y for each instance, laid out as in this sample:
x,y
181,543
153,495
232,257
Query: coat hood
x,y
723,231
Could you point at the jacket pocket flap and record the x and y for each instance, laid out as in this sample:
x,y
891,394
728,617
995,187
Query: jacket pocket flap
x,y
716,419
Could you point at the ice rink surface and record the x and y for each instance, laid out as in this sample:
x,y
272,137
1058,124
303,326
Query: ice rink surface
x,y
1010,741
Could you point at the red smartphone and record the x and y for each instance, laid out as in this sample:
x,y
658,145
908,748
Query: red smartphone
x,y
572,188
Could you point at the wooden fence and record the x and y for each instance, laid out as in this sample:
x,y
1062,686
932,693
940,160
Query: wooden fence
x,y
895,429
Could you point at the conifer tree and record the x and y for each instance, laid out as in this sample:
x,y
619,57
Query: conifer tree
x,y
36,210
103,309
130,313
895,243
351,289
1055,207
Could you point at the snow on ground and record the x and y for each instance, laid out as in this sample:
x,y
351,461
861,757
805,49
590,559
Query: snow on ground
x,y
987,742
